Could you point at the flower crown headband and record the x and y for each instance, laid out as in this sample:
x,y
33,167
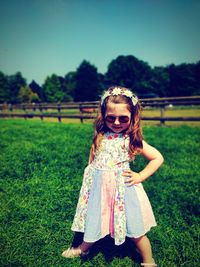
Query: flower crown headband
x,y
120,91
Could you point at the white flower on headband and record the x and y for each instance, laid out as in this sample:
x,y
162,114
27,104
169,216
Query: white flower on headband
x,y
106,94
116,91
128,93
120,91
134,100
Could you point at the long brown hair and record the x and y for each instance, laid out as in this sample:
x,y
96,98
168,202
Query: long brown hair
x,y
134,131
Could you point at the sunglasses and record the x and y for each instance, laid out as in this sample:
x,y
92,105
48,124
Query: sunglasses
x,y
122,119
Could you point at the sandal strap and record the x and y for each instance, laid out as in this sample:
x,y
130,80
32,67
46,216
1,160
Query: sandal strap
x,y
149,264
76,251
84,253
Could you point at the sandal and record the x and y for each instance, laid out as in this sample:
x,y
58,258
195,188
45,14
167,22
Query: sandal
x,y
153,264
74,252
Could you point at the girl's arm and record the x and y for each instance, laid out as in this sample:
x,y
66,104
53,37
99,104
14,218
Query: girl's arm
x,y
155,160
91,155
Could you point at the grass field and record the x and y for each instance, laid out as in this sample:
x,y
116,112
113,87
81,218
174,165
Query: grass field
x,y
40,177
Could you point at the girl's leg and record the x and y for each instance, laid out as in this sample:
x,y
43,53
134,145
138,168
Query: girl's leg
x,y
144,247
85,246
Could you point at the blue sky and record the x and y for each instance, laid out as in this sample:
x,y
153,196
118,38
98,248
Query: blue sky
x,y
42,37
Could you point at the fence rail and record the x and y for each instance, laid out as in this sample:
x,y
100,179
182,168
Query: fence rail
x,y
189,100
88,110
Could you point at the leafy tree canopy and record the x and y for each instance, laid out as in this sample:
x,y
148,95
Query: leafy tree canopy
x,y
130,72
37,89
26,95
52,89
4,88
87,84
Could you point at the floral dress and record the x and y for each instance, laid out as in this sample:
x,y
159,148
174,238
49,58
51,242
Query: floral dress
x,y
107,205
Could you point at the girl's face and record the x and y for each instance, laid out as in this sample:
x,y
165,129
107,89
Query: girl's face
x,y
117,117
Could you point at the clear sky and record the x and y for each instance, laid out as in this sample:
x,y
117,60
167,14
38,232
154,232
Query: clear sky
x,y
42,37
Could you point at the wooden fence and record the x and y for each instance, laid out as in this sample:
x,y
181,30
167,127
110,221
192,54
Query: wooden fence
x,y
88,110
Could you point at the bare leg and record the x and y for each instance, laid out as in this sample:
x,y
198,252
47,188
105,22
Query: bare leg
x,y
144,247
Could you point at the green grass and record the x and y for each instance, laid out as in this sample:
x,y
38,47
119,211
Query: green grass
x,y
40,177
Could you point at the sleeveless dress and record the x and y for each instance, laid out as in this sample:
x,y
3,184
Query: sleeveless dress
x,y
107,205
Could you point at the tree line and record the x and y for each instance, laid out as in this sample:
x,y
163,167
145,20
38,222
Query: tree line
x,y
87,84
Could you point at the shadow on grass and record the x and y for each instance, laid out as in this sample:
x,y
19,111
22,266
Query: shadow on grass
x,y
107,247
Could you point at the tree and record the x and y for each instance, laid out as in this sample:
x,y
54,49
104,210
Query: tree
x,y
197,78
70,81
87,83
63,86
182,79
26,95
160,81
52,89
15,82
37,89
130,72
4,88
102,83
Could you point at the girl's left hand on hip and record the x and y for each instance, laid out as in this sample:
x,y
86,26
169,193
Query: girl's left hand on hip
x,y
132,177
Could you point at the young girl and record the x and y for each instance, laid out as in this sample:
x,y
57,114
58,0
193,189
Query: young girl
x,y
112,200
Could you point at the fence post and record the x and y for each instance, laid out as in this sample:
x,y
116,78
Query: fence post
x,y
59,118
59,110
58,107
24,107
162,114
81,112
33,107
10,107
41,108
